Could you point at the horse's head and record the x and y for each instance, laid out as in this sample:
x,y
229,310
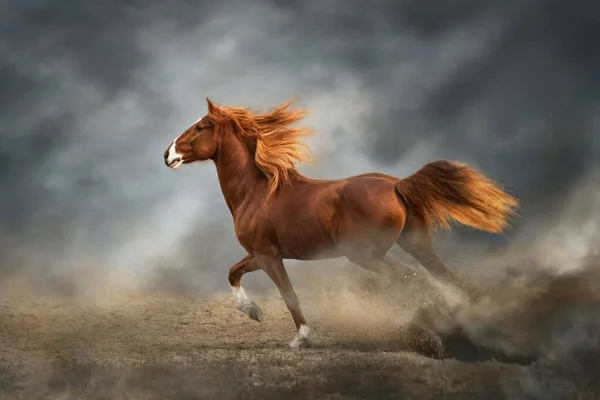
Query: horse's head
x,y
199,142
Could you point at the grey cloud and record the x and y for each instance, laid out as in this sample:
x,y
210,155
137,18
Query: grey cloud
x,y
92,93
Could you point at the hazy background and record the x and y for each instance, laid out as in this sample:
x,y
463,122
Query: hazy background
x,y
91,93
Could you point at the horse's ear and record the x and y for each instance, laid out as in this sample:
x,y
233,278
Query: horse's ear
x,y
210,106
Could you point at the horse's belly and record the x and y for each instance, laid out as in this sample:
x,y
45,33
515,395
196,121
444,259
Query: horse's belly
x,y
307,245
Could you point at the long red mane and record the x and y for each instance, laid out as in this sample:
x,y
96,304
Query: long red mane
x,y
279,146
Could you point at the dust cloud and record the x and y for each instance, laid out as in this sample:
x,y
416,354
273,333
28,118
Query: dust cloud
x,y
106,293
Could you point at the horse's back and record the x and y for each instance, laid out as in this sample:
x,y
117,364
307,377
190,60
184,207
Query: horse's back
x,y
376,176
363,194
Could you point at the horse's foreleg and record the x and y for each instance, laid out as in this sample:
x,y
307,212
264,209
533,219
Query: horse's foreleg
x,y
275,269
242,301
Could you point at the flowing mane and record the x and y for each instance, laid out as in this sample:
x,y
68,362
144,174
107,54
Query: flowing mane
x,y
279,146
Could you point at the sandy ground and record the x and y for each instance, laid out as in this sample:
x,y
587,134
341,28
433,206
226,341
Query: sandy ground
x,y
180,346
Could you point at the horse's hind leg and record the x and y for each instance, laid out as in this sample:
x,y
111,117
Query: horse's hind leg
x,y
381,265
416,241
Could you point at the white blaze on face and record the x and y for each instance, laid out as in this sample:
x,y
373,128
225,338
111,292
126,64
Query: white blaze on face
x,y
174,159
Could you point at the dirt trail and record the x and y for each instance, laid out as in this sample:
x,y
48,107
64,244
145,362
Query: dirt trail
x,y
166,346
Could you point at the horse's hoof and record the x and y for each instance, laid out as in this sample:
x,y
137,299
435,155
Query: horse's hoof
x,y
299,343
252,310
302,338
255,313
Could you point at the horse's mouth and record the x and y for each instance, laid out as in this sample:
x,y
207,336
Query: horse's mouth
x,y
174,164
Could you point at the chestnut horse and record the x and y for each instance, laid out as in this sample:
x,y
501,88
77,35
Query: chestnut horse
x,y
280,214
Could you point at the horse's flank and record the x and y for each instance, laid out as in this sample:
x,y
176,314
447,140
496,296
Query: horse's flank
x,y
279,145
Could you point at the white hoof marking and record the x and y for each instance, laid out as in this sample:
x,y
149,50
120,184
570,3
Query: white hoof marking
x,y
245,304
302,339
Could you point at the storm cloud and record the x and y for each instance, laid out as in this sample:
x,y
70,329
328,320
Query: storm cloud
x,y
92,93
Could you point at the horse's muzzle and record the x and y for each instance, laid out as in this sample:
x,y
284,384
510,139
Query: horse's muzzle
x,y
174,163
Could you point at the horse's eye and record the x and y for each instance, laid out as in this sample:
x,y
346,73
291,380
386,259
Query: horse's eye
x,y
198,128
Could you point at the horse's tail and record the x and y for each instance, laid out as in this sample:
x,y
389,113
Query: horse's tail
x,y
442,191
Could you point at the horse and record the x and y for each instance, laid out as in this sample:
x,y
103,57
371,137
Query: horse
x,y
280,214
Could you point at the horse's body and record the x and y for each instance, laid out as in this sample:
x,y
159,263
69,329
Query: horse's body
x,y
319,219
279,214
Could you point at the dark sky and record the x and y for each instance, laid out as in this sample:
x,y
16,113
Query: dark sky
x,y
91,93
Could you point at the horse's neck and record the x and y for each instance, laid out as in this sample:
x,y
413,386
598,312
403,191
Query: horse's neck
x,y
238,174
